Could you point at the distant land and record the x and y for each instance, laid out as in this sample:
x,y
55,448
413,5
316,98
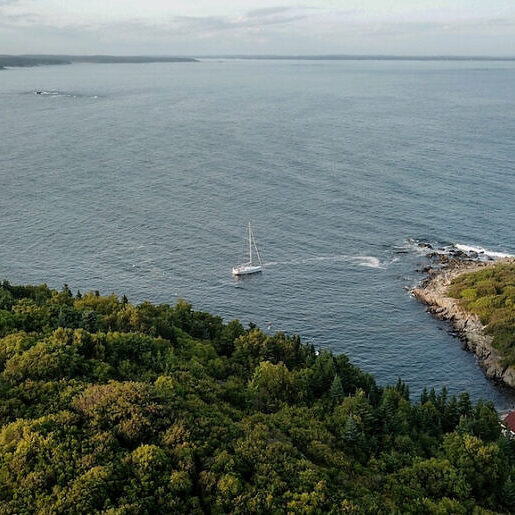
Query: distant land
x,y
40,60
29,60
344,57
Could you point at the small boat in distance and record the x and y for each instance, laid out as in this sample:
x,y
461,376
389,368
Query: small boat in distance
x,y
250,267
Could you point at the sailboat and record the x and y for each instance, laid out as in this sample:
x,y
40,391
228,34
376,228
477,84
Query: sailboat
x,y
250,267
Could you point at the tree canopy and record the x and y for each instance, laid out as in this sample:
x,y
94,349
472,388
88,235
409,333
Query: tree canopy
x,y
114,408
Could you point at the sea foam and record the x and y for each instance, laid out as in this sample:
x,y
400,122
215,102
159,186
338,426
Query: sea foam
x,y
368,261
483,251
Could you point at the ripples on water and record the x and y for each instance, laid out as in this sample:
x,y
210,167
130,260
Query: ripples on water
x,y
140,179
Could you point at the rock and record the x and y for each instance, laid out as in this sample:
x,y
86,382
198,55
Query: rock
x,y
425,246
508,377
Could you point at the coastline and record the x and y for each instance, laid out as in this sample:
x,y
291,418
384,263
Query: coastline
x,y
466,325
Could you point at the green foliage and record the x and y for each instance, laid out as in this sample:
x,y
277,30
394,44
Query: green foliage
x,y
275,384
469,454
336,392
490,294
107,407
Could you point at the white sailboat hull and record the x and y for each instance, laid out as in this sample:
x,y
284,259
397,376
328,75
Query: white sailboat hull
x,y
246,269
249,267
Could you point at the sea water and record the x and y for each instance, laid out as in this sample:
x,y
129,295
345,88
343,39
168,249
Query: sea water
x,y
141,179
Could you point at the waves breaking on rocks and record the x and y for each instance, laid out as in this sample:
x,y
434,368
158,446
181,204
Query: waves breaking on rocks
x,y
447,251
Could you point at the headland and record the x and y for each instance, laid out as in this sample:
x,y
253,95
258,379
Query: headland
x,y
467,325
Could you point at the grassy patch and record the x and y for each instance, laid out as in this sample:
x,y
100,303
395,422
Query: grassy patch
x,y
490,294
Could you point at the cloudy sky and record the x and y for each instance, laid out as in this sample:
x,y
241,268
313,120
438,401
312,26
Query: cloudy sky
x,y
189,27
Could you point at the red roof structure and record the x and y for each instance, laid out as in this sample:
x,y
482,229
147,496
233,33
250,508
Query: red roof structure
x,y
509,421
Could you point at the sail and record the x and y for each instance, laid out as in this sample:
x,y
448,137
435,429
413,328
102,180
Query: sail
x,y
250,267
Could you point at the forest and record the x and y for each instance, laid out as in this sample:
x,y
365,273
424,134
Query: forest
x,y
29,61
490,294
41,60
114,408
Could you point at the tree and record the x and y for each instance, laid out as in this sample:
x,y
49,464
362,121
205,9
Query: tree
x,y
464,404
272,384
482,465
322,373
336,392
351,431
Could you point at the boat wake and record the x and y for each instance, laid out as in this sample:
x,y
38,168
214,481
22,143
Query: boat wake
x,y
367,261
56,93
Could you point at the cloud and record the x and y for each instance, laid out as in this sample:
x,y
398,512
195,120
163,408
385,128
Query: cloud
x,y
281,28
253,19
267,11
20,20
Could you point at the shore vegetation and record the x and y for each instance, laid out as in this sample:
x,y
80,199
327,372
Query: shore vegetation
x,y
490,294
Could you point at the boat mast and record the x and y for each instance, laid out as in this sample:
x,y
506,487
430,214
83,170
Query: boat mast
x,y
257,252
250,245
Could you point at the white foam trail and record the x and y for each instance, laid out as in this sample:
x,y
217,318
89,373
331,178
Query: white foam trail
x,y
368,261
56,93
306,260
481,250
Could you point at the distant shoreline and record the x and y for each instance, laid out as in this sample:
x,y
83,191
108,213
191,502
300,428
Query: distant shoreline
x,y
330,57
32,60
433,292
26,61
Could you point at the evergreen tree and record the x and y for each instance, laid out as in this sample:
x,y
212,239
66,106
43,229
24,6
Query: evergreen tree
x,y
464,404
424,396
351,431
441,402
508,494
66,290
402,388
336,392
451,416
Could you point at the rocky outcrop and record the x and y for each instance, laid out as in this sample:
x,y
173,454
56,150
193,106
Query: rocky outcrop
x,y
434,292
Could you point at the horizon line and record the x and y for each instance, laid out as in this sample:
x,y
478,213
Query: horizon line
x,y
406,57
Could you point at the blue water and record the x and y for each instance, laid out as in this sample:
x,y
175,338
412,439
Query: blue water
x,y
140,179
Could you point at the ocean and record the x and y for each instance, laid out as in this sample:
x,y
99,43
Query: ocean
x,y
141,179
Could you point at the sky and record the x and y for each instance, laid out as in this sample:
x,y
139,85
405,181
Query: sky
x,y
217,27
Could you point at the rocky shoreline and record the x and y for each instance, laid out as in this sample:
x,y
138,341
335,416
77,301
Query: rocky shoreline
x,y
467,326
